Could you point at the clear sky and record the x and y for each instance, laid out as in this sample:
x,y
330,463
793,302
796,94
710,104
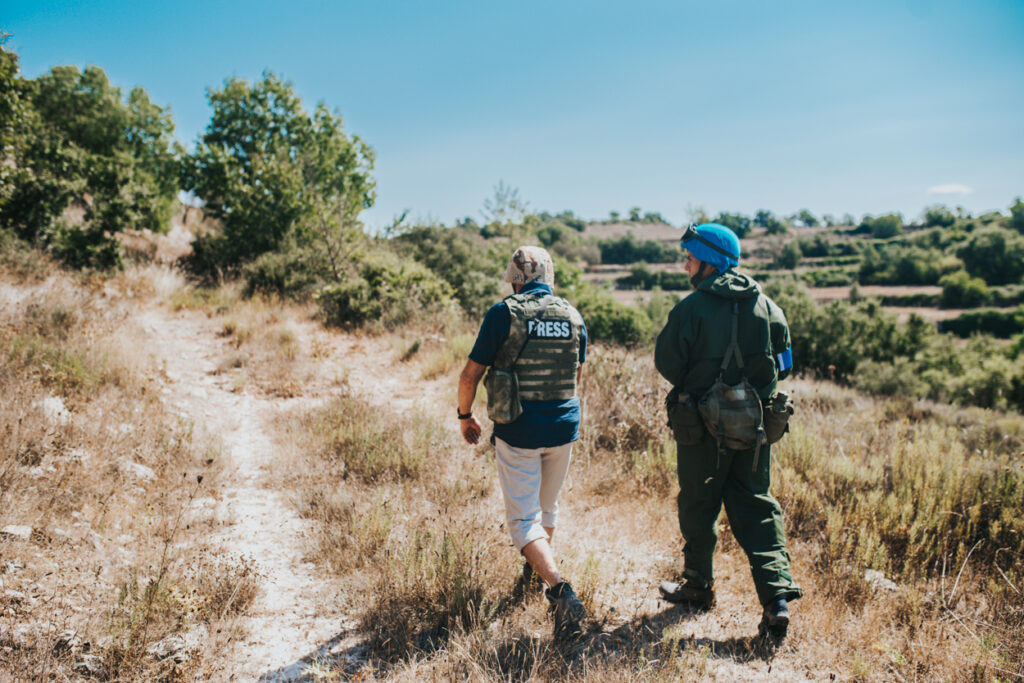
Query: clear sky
x,y
860,107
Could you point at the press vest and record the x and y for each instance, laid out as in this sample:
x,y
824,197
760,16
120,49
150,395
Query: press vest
x,y
547,330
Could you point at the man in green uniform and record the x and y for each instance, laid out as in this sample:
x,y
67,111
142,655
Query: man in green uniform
x,y
727,310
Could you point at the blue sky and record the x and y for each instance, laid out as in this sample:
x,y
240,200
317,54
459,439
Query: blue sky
x,y
860,107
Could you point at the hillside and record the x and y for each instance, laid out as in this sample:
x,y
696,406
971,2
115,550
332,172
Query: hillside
x,y
246,494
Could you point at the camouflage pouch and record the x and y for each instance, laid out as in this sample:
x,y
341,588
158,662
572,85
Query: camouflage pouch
x,y
733,415
776,416
503,404
683,418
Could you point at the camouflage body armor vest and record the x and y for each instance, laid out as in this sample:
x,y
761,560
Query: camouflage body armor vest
x,y
545,333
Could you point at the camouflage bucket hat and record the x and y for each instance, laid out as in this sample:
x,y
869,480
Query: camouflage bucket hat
x,y
529,264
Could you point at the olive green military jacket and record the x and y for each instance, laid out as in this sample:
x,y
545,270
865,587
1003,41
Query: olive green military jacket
x,y
690,348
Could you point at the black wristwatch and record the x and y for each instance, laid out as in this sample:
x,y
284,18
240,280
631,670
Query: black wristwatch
x,y
462,416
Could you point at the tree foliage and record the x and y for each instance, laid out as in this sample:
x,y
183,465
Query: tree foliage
x,y
736,222
271,172
69,136
995,255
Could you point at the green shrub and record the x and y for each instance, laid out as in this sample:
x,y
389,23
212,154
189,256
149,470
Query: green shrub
x,y
295,272
900,264
626,249
882,227
995,255
386,290
960,290
995,322
609,321
1017,215
461,258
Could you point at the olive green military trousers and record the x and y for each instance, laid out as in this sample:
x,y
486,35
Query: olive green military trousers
x,y
707,481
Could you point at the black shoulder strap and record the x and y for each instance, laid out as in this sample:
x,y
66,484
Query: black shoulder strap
x,y
734,347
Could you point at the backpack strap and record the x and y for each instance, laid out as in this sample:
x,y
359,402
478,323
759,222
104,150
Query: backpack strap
x,y
734,347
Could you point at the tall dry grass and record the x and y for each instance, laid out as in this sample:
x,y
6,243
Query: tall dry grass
x,y
101,476
925,496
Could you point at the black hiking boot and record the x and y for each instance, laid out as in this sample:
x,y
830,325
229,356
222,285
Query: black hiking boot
x,y
688,595
528,584
568,609
775,621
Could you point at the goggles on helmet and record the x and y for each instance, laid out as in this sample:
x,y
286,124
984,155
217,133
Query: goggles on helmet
x,y
690,233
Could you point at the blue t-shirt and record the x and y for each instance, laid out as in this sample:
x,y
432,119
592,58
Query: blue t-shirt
x,y
543,423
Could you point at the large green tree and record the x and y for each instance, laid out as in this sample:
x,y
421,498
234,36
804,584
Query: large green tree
x,y
70,136
995,255
276,177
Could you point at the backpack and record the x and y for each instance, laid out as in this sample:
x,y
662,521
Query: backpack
x,y
733,414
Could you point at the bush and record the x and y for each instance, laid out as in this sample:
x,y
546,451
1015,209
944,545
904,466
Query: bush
x,y
462,259
995,322
939,216
1017,215
995,255
609,321
899,264
737,222
882,227
386,290
642,277
790,256
960,290
627,249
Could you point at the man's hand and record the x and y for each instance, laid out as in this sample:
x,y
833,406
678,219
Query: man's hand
x,y
471,430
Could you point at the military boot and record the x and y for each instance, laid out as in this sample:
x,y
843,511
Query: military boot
x,y
688,595
568,609
775,620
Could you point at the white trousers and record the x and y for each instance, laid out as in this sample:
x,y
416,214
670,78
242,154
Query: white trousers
x,y
530,481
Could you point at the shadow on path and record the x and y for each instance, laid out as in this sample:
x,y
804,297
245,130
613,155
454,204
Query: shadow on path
x,y
519,658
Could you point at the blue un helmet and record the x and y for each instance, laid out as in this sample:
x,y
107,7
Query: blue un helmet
x,y
712,243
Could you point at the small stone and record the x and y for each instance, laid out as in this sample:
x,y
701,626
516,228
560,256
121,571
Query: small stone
x,y
16,532
66,641
137,470
878,582
55,411
171,647
89,665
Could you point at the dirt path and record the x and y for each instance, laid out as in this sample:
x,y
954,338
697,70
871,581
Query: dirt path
x,y
299,618
293,615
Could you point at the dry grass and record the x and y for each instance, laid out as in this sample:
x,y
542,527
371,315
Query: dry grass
x,y
103,476
408,518
926,495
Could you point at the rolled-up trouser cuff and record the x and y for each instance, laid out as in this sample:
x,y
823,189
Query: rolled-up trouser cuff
x,y
531,479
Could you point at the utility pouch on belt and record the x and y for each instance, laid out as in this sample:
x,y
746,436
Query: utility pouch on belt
x,y
684,419
776,416
503,404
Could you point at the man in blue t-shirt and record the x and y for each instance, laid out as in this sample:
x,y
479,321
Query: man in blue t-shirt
x,y
543,339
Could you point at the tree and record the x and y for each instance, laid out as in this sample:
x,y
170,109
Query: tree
x,y
805,218
736,222
938,216
634,214
790,255
774,226
275,175
613,216
995,255
762,217
882,227
79,140
1017,215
